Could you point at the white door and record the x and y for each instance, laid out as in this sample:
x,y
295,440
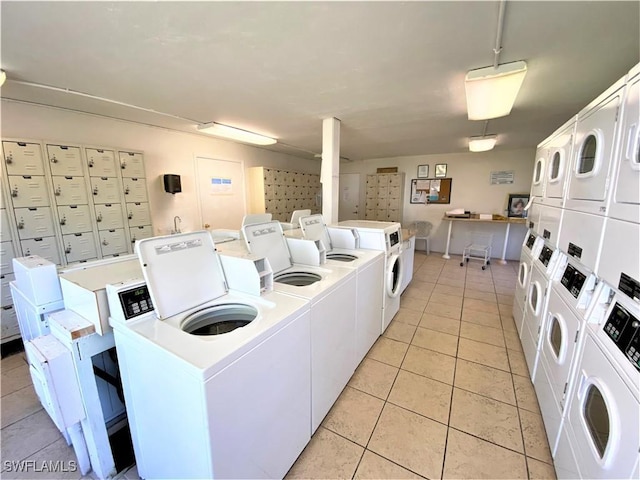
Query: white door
x,y
221,194
349,196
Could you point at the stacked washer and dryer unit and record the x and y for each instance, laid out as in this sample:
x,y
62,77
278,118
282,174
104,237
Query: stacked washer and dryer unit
x,y
581,323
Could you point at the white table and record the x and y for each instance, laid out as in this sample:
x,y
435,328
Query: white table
x,y
507,222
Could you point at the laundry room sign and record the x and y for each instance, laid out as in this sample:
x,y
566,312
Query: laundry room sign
x,y
221,186
502,177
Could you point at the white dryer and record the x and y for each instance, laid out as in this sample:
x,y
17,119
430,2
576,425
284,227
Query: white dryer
x,y
369,266
625,200
387,237
560,146
570,300
331,292
600,437
620,258
210,376
536,304
594,150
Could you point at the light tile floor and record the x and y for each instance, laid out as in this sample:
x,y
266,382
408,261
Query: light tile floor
x,y
444,393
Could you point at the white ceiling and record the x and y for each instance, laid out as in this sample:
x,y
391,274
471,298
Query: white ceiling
x,y
392,72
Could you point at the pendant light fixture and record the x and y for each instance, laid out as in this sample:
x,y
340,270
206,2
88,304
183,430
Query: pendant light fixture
x,y
483,143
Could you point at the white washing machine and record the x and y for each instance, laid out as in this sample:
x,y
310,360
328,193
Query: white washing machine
x,y
535,309
211,376
625,200
331,292
594,150
560,146
530,250
600,437
570,299
369,266
387,237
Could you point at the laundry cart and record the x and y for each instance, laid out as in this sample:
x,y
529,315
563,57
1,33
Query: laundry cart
x,y
478,248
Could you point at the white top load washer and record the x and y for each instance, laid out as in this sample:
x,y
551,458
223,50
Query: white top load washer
x,y
331,292
385,236
369,266
210,376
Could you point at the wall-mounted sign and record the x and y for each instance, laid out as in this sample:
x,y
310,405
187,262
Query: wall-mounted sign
x,y
221,186
502,177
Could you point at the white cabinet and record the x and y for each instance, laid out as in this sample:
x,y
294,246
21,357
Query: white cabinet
x,y
22,158
74,219
28,191
69,190
131,164
280,192
34,222
105,189
138,214
64,160
79,247
113,242
46,247
101,163
138,233
383,197
135,189
109,216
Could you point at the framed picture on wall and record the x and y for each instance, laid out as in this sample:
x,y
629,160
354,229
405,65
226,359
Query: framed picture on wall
x,y
441,170
516,204
423,171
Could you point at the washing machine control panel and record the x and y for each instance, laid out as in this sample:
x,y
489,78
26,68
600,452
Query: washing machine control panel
x,y
545,255
531,240
135,301
629,286
573,280
394,239
624,329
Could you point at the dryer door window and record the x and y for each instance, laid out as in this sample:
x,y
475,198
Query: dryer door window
x,y
537,177
555,336
534,297
554,168
394,275
596,417
587,158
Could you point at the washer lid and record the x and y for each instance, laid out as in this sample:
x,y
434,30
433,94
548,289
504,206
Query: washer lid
x,y
268,240
314,228
182,271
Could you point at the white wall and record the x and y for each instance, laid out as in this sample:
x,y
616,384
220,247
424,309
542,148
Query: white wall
x,y
166,151
470,189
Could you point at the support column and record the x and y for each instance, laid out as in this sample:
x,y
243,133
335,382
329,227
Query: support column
x,y
330,169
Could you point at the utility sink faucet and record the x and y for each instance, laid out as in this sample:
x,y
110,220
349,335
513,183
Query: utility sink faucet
x,y
176,221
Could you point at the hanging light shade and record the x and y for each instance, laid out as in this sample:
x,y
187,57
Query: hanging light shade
x,y
233,133
491,92
482,144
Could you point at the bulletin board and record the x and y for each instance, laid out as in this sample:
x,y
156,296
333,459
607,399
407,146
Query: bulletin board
x,y
434,190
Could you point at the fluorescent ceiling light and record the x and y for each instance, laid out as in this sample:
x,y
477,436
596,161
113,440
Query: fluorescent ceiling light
x,y
3,77
482,144
233,133
491,92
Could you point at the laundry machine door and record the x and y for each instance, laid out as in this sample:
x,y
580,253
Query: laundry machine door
x,y
593,153
605,416
524,271
393,282
626,197
537,185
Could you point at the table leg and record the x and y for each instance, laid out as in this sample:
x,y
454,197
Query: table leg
x,y
502,261
446,251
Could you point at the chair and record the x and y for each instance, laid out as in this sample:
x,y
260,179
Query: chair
x,y
423,230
